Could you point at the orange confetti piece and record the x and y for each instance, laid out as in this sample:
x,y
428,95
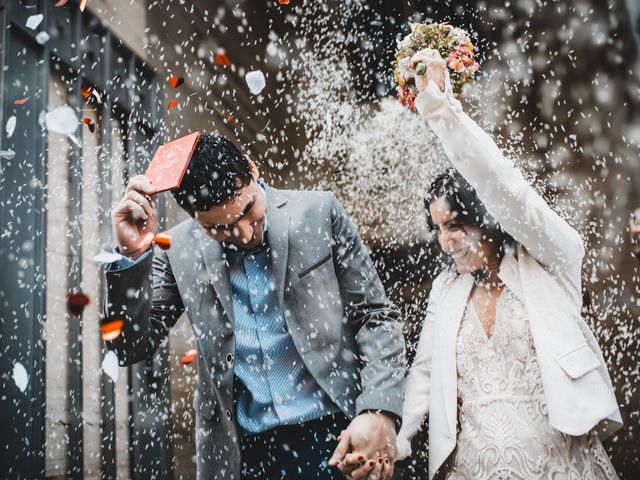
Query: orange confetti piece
x,y
86,90
111,330
222,58
175,81
172,104
83,5
76,303
22,101
60,3
231,120
89,123
163,240
189,357
283,2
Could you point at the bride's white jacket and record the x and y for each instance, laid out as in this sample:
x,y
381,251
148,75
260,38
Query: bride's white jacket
x,y
544,274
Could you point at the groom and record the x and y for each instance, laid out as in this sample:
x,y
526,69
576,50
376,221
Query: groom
x,y
297,341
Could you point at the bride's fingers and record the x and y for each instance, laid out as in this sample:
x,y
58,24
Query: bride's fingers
x,y
353,459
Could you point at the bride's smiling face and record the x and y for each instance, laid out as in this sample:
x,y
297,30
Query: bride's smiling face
x,y
464,243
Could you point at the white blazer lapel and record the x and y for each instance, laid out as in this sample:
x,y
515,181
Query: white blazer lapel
x,y
452,307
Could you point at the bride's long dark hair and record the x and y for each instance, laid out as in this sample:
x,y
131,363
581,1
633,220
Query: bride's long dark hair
x,y
466,207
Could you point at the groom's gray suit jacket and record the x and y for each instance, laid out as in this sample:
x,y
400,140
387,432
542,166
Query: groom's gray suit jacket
x,y
347,332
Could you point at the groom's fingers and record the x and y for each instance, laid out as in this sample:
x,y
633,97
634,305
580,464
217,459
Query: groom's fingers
x,y
341,450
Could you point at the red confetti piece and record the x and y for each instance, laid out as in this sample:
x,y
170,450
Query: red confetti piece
x,y
86,90
111,330
89,123
60,3
83,5
76,303
22,101
231,120
172,104
163,240
189,357
222,58
175,81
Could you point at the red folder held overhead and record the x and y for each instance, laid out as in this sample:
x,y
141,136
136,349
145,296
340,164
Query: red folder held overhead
x,y
170,163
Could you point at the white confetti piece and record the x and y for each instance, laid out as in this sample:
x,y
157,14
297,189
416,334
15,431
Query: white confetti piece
x,y
20,376
7,154
42,38
62,120
256,82
107,257
110,365
34,20
11,126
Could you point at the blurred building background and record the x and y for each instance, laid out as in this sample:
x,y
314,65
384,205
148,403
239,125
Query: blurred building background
x,y
562,73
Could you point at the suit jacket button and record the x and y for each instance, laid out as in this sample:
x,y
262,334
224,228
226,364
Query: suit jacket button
x,y
229,358
228,414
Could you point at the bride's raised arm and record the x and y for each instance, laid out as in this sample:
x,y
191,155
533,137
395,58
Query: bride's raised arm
x,y
500,185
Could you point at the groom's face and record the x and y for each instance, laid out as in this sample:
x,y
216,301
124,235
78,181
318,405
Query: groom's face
x,y
239,221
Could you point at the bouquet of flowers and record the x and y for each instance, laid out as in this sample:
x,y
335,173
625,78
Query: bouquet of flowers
x,y
455,47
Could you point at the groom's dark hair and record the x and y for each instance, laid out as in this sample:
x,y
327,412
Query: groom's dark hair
x,y
465,205
216,173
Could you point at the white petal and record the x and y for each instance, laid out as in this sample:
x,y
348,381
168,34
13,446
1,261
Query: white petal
x,y
256,82
62,120
110,365
42,38
7,154
20,376
34,20
11,126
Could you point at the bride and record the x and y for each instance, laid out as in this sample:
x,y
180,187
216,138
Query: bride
x,y
512,378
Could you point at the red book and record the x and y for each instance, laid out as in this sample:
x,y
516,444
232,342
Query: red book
x,y
170,163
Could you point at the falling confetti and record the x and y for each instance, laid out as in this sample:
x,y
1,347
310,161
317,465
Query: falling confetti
x,y
11,126
231,120
42,38
7,154
163,240
175,81
189,357
110,365
284,2
20,376
60,3
76,303
83,5
34,20
62,120
256,82
222,58
111,330
89,123
86,90
172,104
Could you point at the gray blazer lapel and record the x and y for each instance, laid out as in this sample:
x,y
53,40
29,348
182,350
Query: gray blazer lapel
x,y
278,231
218,270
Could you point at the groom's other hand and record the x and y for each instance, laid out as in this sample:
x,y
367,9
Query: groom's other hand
x,y
371,435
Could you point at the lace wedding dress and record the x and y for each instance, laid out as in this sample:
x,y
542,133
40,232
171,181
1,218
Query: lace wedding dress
x,y
504,432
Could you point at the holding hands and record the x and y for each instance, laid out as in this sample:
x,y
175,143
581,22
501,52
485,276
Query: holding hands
x,y
367,448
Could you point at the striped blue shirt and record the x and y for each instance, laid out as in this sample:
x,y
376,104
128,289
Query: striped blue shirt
x,y
273,386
